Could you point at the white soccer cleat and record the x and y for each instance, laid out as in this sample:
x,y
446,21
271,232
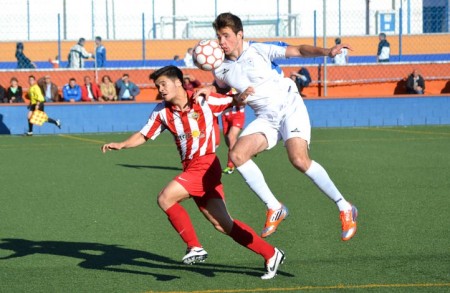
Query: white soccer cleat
x,y
194,254
272,264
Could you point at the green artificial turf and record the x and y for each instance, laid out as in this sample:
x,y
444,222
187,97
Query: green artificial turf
x,y
75,220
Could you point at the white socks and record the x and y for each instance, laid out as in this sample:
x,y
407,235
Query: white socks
x,y
320,177
255,180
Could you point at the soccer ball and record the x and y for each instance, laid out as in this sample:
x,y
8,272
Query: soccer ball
x,y
208,55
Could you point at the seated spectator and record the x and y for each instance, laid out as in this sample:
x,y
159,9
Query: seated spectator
x,y
23,61
90,92
14,92
3,98
49,89
190,82
415,84
108,89
302,78
127,89
72,91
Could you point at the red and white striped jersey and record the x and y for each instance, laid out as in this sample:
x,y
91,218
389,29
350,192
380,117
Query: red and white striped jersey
x,y
233,110
193,129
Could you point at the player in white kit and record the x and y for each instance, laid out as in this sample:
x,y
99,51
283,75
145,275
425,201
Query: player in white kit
x,y
280,114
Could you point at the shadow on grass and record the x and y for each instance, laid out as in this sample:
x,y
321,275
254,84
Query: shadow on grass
x,y
150,167
115,258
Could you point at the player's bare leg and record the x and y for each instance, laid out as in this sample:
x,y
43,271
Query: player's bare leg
x,y
169,201
297,149
216,212
230,139
245,148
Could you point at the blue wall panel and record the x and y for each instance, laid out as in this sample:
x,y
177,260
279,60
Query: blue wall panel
x,y
125,117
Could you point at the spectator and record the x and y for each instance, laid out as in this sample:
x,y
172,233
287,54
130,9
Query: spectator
x,y
302,78
90,92
384,49
340,59
415,84
22,60
190,82
108,89
72,91
176,61
49,89
77,55
54,62
14,93
188,61
3,98
127,89
100,53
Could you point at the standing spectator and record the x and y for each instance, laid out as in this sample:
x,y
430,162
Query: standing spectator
x,y
23,61
90,92
14,93
72,91
49,89
127,89
384,49
100,53
342,58
108,89
415,84
302,78
188,61
37,103
190,82
3,98
77,55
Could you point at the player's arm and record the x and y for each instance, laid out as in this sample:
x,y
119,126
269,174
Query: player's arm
x,y
208,89
133,141
311,51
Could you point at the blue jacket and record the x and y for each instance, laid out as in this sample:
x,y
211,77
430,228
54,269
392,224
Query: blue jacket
x,y
122,87
72,93
100,56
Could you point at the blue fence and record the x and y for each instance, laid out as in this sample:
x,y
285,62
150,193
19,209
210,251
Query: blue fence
x,y
125,117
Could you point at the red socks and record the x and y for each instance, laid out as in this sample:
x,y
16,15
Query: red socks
x,y
246,236
180,220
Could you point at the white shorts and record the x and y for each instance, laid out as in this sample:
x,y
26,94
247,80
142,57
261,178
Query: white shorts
x,y
290,120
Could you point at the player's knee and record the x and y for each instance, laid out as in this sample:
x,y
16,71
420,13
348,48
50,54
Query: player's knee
x,y
219,228
163,201
238,158
300,163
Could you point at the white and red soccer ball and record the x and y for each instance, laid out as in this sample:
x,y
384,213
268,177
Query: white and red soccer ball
x,y
208,55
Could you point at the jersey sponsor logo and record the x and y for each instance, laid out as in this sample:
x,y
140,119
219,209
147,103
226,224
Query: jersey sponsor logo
x,y
194,134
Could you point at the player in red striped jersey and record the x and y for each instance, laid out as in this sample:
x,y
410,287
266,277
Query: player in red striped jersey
x,y
233,120
192,125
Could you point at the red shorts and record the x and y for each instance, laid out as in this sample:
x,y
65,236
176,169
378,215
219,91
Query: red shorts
x,y
201,178
236,119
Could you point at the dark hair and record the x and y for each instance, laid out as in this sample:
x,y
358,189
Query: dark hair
x,y
72,78
81,40
31,76
19,46
125,74
170,71
230,20
98,38
13,79
383,35
337,41
106,76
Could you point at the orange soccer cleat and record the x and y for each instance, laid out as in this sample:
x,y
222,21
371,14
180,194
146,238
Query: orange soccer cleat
x,y
348,219
273,219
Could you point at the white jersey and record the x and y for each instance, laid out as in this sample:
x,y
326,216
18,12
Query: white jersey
x,y
341,59
254,69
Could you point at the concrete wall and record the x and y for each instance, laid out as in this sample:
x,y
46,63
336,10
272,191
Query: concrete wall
x,y
99,117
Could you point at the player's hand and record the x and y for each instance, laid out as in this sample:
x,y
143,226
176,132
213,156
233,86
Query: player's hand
x,y
336,50
111,146
204,91
242,97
